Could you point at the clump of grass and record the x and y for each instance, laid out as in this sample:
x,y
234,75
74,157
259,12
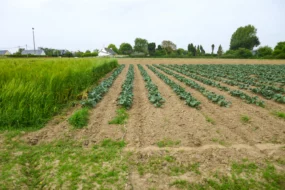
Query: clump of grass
x,y
79,119
245,119
167,143
279,114
210,120
121,117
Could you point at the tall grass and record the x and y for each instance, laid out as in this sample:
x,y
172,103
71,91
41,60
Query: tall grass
x,y
33,90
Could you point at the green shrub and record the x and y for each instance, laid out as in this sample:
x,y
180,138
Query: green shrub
x,y
79,119
264,51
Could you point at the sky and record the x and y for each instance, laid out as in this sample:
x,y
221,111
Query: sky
x,y
92,24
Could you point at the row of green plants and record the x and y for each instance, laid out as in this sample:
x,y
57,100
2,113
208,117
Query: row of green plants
x,y
249,77
34,90
213,97
237,93
96,95
126,96
153,94
189,99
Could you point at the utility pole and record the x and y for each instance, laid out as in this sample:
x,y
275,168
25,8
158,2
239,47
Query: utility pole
x,y
34,42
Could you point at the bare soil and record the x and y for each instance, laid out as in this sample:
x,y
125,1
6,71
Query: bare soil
x,y
213,145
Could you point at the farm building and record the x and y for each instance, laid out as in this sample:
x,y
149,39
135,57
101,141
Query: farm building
x,y
33,52
4,52
106,52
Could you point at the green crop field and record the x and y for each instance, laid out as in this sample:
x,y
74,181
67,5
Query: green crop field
x,y
33,90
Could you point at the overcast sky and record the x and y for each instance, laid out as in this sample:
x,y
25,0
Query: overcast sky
x,y
92,24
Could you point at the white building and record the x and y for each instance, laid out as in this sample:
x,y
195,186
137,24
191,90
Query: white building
x,y
33,52
106,52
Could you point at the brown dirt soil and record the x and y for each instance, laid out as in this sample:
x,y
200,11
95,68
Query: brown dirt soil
x,y
214,146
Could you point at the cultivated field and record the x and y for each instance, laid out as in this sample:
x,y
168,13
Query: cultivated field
x,y
186,124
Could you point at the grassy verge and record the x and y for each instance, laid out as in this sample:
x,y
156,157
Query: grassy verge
x,y
63,165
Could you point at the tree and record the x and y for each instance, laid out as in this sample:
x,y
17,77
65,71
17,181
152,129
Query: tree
x,y
113,47
181,51
243,53
126,49
244,37
264,51
202,50
159,47
192,49
169,46
141,45
198,52
213,48
220,51
19,52
279,50
151,48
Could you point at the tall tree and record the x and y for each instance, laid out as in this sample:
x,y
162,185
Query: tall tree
x,y
151,48
220,51
198,52
169,46
202,50
244,37
191,49
141,45
126,49
113,47
213,48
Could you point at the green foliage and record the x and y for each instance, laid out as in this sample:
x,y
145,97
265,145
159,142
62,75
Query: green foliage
x,y
239,53
192,49
248,99
141,45
126,48
213,48
126,96
34,90
121,117
153,94
189,99
151,48
79,119
113,47
244,37
169,46
264,51
279,50
220,51
96,95
218,99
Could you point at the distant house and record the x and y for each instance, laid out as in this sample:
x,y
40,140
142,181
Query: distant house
x,y
106,52
4,52
33,52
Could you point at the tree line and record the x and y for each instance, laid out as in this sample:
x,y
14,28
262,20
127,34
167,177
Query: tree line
x,y
243,40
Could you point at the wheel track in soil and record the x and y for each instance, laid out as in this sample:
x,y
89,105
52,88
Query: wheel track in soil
x,y
231,118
